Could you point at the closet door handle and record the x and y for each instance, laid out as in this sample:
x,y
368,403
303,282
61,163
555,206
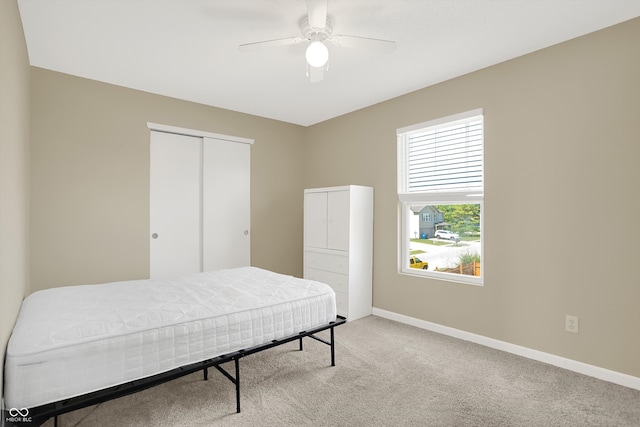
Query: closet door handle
x,y
246,232
154,236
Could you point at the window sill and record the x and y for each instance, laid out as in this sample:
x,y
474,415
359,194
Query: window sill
x,y
447,277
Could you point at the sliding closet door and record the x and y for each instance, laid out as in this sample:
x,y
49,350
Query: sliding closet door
x,y
200,204
175,243
226,204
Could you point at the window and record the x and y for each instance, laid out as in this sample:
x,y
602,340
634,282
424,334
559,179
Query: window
x,y
441,176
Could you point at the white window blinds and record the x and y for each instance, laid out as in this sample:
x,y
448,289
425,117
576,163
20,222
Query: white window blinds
x,y
442,156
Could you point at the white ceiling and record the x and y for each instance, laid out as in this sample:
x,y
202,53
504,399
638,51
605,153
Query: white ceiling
x,y
188,49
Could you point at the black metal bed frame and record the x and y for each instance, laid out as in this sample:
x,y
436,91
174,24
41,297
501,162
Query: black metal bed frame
x,y
37,416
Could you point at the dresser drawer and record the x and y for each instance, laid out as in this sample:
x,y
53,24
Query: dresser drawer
x,y
328,262
339,282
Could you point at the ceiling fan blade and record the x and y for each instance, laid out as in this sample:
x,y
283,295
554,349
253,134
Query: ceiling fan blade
x,y
316,74
317,13
376,45
248,47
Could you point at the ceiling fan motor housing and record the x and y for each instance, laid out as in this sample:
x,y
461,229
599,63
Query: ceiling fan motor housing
x,y
314,34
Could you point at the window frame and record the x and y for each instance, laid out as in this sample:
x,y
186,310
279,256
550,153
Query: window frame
x,y
459,196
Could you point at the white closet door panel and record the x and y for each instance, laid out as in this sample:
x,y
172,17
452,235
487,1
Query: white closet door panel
x,y
226,204
315,220
338,220
174,204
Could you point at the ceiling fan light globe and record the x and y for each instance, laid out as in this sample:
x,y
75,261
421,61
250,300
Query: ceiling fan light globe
x,y
317,54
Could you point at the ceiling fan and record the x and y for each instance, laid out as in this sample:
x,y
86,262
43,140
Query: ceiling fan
x,y
317,30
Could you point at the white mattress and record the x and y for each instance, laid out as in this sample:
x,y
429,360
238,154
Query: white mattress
x,y
78,339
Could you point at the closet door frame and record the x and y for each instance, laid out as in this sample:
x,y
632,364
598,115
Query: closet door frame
x,y
197,133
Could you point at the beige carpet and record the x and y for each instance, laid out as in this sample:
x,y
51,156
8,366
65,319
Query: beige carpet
x,y
387,374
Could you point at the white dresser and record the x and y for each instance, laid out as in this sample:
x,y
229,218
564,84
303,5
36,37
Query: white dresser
x,y
338,244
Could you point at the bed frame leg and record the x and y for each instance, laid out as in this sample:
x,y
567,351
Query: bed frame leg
x,y
55,421
205,371
333,352
237,363
300,343
236,380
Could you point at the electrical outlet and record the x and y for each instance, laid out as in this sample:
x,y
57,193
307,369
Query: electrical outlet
x,y
571,324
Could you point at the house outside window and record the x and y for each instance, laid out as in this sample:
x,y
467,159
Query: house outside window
x,y
441,182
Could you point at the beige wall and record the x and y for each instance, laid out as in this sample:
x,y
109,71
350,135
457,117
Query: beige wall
x,y
90,179
562,149
14,167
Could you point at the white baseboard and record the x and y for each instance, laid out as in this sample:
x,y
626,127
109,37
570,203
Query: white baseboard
x,y
562,362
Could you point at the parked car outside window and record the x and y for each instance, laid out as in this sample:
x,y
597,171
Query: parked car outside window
x,y
415,262
446,234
